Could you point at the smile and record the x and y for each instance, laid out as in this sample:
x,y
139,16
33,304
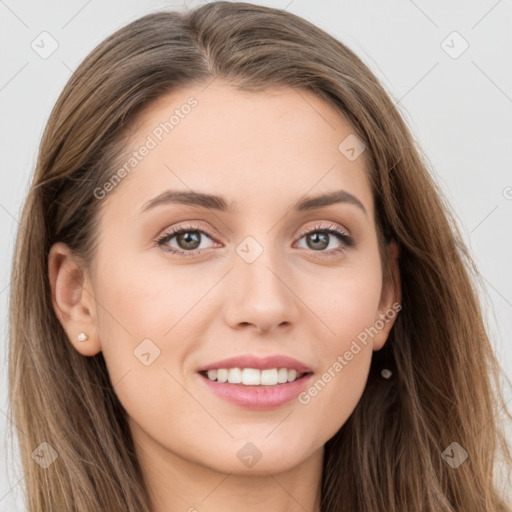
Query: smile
x,y
253,376
249,393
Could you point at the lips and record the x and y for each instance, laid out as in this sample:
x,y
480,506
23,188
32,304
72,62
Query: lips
x,y
260,363
257,396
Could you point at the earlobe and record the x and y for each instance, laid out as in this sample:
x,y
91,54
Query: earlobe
x,y
391,297
72,302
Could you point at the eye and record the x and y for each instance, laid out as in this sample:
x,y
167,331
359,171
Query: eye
x,y
189,238
320,237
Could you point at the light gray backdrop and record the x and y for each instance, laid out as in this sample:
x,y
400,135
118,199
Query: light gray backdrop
x,y
446,64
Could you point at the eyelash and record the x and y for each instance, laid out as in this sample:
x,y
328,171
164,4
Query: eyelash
x,y
346,240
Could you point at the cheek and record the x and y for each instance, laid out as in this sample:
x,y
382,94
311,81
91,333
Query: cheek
x,y
347,306
141,311
334,394
141,299
146,328
346,302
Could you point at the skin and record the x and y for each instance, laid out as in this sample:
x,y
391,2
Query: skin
x,y
264,150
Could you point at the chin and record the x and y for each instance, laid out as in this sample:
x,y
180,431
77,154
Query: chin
x,y
257,457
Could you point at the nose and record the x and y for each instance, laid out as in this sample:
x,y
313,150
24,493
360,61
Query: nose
x,y
261,295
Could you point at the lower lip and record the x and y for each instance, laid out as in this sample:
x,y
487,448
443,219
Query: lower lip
x,y
258,397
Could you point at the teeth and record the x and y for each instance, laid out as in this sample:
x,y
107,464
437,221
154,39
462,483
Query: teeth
x,y
269,377
292,375
282,375
235,376
222,375
250,377
253,376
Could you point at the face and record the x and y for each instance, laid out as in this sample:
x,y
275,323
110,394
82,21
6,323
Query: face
x,y
258,273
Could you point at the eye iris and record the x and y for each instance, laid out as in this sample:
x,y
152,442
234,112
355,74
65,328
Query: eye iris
x,y
188,237
316,237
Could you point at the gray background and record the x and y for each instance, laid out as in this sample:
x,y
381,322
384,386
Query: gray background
x,y
458,106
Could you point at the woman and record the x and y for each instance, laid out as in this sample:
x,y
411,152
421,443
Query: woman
x,y
236,286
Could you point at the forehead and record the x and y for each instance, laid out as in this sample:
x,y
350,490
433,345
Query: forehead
x,y
272,146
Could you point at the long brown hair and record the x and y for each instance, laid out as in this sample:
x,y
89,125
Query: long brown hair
x,y
445,386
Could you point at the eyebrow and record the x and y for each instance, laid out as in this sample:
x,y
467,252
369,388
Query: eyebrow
x,y
209,201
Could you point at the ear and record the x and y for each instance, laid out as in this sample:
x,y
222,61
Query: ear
x,y
391,297
72,299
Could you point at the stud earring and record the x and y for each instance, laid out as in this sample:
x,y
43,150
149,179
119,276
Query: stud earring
x,y
386,373
82,337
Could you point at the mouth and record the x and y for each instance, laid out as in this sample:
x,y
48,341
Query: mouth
x,y
255,382
253,376
255,389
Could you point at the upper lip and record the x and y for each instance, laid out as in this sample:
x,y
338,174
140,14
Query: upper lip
x,y
260,363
